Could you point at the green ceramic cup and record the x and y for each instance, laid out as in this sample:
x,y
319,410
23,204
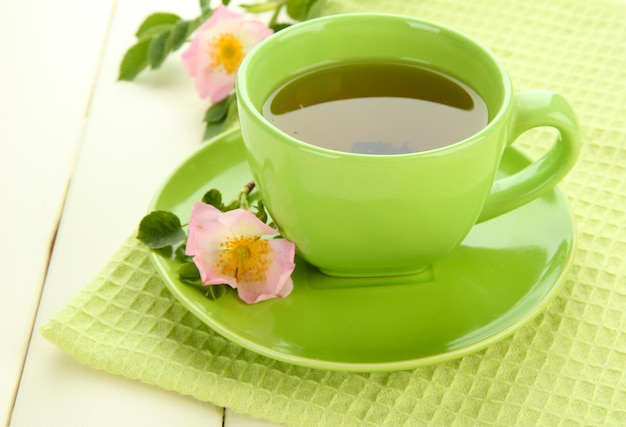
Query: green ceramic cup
x,y
376,215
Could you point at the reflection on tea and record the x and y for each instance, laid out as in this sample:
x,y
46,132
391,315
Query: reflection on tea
x,y
376,108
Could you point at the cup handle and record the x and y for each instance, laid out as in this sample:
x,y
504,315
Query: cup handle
x,y
533,109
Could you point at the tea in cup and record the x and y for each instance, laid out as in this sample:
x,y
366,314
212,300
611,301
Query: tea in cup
x,y
375,139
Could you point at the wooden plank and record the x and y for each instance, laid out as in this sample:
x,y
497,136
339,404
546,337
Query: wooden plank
x,y
48,56
134,135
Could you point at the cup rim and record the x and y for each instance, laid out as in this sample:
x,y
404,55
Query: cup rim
x,y
245,101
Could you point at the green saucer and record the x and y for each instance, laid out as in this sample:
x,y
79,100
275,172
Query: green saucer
x,y
505,273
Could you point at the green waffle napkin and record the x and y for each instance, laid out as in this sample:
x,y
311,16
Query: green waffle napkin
x,y
567,367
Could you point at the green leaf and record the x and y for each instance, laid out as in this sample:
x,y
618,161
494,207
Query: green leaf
x,y
205,7
205,4
299,9
214,292
213,197
302,10
260,7
155,31
194,24
212,130
165,252
278,26
156,22
217,112
315,9
232,114
158,50
134,61
217,116
261,212
159,229
225,2
188,272
180,255
178,34
231,206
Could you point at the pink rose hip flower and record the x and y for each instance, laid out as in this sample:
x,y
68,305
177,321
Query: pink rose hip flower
x,y
217,49
235,248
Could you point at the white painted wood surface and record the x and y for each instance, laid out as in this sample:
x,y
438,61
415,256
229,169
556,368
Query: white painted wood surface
x,y
81,155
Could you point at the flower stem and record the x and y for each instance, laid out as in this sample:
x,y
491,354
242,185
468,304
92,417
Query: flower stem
x,y
274,18
243,195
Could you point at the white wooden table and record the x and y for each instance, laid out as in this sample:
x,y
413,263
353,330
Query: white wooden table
x,y
81,155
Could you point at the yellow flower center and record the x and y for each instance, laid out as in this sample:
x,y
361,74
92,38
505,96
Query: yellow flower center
x,y
226,52
244,258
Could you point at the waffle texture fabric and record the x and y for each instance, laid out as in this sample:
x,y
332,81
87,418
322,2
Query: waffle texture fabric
x,y
567,367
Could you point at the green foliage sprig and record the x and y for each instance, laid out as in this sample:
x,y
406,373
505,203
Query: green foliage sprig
x,y
163,232
162,33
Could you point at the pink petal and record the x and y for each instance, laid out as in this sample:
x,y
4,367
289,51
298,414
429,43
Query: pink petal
x,y
209,227
203,242
278,282
189,56
209,275
205,230
215,85
213,82
244,223
210,82
252,32
223,13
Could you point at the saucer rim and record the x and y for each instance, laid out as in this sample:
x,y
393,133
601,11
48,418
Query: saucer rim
x,y
173,285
